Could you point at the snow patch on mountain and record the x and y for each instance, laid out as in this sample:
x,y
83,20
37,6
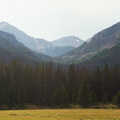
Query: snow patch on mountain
x,y
77,41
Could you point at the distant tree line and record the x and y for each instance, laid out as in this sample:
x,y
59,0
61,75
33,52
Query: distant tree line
x,y
46,85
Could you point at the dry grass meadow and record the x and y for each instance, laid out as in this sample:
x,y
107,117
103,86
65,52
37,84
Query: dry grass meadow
x,y
61,114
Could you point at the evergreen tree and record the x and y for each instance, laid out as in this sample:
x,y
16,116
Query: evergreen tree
x,y
94,98
118,99
96,83
48,85
64,95
72,83
106,82
114,100
105,98
60,96
21,100
85,94
11,102
115,82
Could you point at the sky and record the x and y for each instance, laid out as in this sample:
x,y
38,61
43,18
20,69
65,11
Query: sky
x,y
53,19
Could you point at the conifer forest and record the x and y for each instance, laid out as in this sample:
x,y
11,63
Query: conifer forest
x,y
51,85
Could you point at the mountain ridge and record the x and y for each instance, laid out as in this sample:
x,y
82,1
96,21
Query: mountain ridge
x,y
68,41
35,44
11,48
106,38
109,56
21,36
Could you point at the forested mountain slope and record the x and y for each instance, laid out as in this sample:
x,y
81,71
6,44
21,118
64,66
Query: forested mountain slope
x,y
11,49
105,39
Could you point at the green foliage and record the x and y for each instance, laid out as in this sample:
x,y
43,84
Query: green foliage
x,y
106,82
94,98
85,94
114,100
105,98
46,85
60,96
118,99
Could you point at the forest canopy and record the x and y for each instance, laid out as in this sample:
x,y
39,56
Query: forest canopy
x,y
46,85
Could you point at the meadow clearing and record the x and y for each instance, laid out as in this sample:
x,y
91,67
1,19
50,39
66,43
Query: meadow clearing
x,y
61,114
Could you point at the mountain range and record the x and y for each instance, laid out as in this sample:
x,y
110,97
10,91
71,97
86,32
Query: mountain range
x,y
72,41
42,45
11,48
101,49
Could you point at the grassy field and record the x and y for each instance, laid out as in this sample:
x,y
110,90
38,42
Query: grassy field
x,y
61,114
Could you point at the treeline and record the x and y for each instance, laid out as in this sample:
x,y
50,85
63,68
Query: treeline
x,y
46,85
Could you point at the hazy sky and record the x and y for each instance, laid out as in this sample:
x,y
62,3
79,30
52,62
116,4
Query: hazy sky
x,y
53,19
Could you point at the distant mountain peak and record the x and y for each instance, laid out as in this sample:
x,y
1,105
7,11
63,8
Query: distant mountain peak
x,y
118,23
105,39
71,36
68,41
3,24
36,44
25,39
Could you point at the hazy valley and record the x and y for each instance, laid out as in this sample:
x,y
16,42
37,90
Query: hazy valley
x,y
83,73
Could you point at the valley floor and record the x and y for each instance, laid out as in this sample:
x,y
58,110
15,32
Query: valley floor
x,y
61,114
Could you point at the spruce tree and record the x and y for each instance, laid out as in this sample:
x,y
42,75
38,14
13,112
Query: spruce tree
x,y
106,82
85,94
118,99
105,98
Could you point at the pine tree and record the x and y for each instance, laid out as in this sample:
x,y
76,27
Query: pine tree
x,y
94,98
72,83
11,86
114,100
118,99
115,83
105,98
85,94
106,82
96,83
